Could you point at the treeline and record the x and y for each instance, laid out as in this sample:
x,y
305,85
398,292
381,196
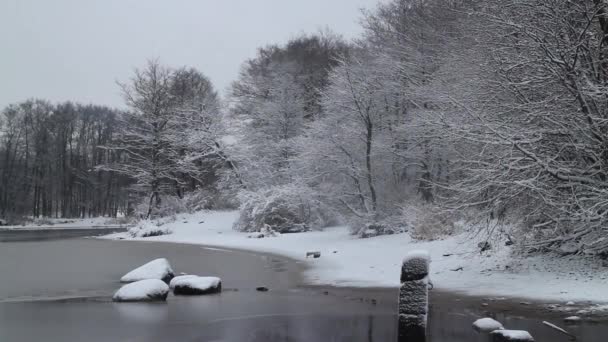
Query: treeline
x,y
161,156
49,154
488,110
494,111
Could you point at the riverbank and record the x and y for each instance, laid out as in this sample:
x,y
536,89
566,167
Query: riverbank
x,y
68,286
457,264
64,224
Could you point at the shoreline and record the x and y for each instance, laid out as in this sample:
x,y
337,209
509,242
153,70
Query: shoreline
x,y
457,264
488,304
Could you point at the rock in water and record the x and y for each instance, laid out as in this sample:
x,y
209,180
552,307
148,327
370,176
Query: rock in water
x,y
192,286
487,325
148,290
155,269
178,278
572,319
511,336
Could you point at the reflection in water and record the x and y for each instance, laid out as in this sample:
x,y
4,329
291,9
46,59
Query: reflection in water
x,y
298,328
285,314
143,312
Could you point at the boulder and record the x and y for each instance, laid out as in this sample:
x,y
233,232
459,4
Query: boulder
x,y
148,290
511,336
192,286
177,279
155,269
487,325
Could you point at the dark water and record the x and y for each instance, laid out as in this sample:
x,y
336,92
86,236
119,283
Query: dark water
x,y
17,235
59,290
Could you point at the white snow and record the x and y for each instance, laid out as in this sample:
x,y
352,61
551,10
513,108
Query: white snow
x,y
514,335
487,325
143,290
416,264
177,279
196,283
376,262
155,269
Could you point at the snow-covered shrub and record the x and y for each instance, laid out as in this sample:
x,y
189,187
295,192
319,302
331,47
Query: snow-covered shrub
x,y
369,227
284,209
148,228
428,222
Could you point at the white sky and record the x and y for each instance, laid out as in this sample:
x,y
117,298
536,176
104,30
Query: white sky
x,y
77,49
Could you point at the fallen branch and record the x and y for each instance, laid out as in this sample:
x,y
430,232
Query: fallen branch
x,y
553,326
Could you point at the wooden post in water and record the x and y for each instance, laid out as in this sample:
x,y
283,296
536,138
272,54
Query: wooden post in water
x,y
414,297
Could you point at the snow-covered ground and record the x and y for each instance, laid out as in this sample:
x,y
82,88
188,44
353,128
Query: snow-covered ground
x,y
457,264
54,223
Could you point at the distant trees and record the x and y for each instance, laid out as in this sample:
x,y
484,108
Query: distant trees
x,y
48,155
71,160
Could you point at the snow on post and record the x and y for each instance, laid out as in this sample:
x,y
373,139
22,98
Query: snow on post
x,y
511,336
155,269
413,297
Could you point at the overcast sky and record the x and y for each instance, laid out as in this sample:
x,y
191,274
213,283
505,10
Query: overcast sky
x,y
77,49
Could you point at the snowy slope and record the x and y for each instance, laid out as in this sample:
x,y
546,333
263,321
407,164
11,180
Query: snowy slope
x,y
375,262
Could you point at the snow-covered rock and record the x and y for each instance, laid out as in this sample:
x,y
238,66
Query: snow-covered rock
x,y
147,290
197,285
572,319
155,269
487,325
415,265
178,278
511,336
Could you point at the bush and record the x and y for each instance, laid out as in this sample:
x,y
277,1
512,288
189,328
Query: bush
x,y
369,227
284,209
428,222
148,228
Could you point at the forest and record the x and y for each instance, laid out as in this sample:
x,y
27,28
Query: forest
x,y
491,111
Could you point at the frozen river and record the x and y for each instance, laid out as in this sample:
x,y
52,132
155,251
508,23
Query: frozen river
x,y
60,290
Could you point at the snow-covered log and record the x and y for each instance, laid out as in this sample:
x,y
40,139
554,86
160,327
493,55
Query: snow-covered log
x,y
148,290
155,269
413,296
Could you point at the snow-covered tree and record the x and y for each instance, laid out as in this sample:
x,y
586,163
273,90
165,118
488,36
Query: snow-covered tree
x,y
172,126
